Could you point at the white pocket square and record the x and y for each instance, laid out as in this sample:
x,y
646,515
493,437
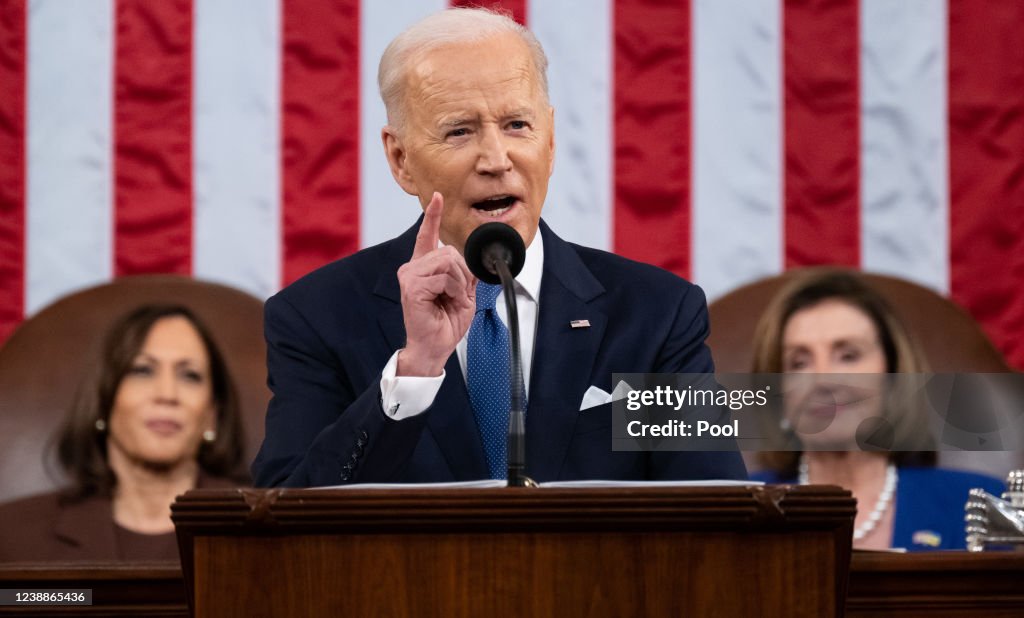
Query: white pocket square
x,y
596,397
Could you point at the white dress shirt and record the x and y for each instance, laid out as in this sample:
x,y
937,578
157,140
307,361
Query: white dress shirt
x,y
406,396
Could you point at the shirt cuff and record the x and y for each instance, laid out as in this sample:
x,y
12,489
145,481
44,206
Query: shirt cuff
x,y
406,396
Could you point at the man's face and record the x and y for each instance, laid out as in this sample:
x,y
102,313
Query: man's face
x,y
479,131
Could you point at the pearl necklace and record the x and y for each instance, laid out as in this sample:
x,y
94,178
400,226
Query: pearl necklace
x,y
881,506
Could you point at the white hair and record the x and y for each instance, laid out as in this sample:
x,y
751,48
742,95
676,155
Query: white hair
x,y
457,25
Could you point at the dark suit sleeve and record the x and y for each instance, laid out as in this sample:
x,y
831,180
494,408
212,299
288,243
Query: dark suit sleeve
x,y
321,429
685,351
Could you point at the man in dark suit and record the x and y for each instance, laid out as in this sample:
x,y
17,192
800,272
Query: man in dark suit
x,y
367,357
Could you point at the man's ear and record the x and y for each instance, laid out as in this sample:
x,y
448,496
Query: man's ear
x,y
551,146
395,151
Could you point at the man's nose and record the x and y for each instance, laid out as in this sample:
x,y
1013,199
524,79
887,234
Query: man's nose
x,y
493,159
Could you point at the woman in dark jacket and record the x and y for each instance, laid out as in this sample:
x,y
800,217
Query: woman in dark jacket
x,y
159,417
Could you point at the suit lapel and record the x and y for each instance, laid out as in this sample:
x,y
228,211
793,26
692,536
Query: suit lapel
x,y
387,292
450,420
563,356
89,525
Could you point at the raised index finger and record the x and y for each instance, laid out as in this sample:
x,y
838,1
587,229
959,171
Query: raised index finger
x,y
430,228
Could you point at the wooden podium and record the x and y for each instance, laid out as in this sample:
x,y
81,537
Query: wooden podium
x,y
723,551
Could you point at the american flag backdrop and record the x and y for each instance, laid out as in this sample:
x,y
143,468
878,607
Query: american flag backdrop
x,y
239,140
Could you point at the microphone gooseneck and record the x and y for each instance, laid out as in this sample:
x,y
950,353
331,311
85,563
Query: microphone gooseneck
x,y
495,253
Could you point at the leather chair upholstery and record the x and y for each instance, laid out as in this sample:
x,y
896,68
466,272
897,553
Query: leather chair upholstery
x,y
950,338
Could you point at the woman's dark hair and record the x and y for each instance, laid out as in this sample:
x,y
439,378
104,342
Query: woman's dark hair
x,y
82,448
902,355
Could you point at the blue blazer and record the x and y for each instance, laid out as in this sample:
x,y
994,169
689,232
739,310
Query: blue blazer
x,y
330,334
929,505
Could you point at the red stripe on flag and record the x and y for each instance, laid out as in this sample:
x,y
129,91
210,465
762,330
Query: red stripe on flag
x,y
12,165
516,7
822,132
13,43
319,134
153,137
986,151
652,132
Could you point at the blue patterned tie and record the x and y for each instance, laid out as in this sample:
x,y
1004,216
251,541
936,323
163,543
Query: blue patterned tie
x,y
487,366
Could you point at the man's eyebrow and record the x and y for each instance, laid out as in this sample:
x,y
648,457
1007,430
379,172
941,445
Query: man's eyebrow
x,y
520,112
454,122
458,121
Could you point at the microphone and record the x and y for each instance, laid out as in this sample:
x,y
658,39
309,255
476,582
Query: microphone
x,y
495,253
491,243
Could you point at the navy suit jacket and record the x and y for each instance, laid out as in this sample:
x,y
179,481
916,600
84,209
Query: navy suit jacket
x,y
330,334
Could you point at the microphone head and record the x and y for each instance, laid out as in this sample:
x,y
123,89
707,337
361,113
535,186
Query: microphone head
x,y
493,241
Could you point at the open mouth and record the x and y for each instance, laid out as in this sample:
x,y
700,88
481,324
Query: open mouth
x,y
495,206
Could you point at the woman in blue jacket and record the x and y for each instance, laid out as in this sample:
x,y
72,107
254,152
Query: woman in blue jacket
x,y
837,343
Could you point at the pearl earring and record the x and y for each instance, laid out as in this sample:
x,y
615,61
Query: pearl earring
x,y
209,435
101,425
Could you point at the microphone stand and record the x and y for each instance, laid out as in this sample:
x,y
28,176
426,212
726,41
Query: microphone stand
x,y
517,412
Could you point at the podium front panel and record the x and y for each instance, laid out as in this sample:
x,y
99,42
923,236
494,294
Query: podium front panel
x,y
743,551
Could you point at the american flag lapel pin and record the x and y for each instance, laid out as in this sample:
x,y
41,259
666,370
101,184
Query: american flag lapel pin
x,y
580,324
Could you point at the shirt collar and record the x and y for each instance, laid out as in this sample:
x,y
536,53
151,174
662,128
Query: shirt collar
x,y
528,280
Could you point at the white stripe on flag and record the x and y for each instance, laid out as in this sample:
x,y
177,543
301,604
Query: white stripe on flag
x,y
236,127
385,210
69,218
737,132
577,37
904,145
